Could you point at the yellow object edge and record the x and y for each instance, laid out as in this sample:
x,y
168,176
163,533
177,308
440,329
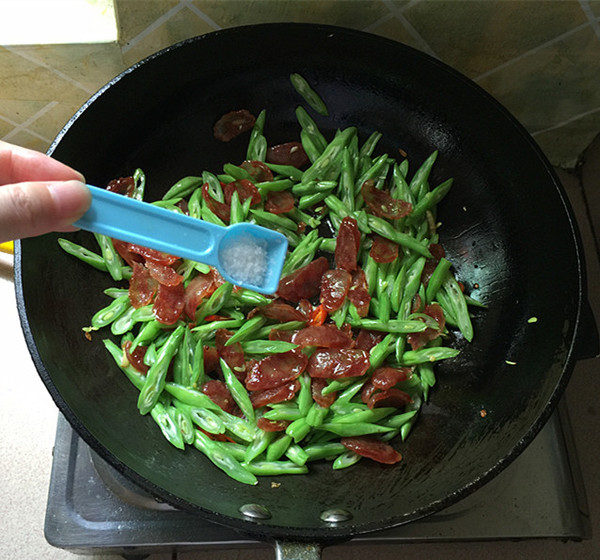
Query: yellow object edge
x,y
7,247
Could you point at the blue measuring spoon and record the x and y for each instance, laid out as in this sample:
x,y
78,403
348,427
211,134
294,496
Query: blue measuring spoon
x,y
245,254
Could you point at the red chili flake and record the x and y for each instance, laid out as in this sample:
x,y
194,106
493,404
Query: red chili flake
x,y
318,317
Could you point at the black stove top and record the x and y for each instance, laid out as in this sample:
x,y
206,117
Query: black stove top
x,y
93,508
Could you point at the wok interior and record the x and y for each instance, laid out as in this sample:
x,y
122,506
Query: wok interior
x,y
505,227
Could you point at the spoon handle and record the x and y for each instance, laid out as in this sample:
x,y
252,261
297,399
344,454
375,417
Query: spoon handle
x,y
145,224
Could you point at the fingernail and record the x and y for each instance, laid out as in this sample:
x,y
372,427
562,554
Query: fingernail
x,y
71,199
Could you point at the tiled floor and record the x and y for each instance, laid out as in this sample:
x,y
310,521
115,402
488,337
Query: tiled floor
x,y
539,59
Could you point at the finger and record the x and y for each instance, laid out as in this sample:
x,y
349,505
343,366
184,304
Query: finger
x,y
19,164
33,208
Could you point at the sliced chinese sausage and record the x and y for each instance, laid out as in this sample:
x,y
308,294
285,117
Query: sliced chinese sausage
x,y
267,425
259,171
389,397
369,446
335,285
324,336
279,202
245,189
152,254
275,370
164,274
142,287
169,303
367,339
420,339
199,288
289,153
335,364
303,283
278,311
232,355
281,393
386,377
136,358
233,124
382,204
218,393
383,250
347,245
316,387
359,293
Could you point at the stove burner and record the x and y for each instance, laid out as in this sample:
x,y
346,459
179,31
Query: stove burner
x,y
123,489
93,508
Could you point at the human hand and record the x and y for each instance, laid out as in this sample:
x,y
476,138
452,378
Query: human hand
x,y
38,194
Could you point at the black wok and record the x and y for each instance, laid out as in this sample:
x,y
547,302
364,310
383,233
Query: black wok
x,y
506,225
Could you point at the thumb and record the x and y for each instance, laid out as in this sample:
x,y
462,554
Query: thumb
x,y
33,208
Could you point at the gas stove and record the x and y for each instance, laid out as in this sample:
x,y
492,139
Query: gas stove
x,y
92,508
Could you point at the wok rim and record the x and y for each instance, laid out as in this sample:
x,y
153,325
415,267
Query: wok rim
x,y
325,533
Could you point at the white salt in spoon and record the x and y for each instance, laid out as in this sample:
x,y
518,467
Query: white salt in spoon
x,y
245,254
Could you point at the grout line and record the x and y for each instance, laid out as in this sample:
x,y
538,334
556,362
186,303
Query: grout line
x,y
408,5
16,50
9,121
154,25
399,15
585,6
373,26
23,126
201,14
556,39
567,121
